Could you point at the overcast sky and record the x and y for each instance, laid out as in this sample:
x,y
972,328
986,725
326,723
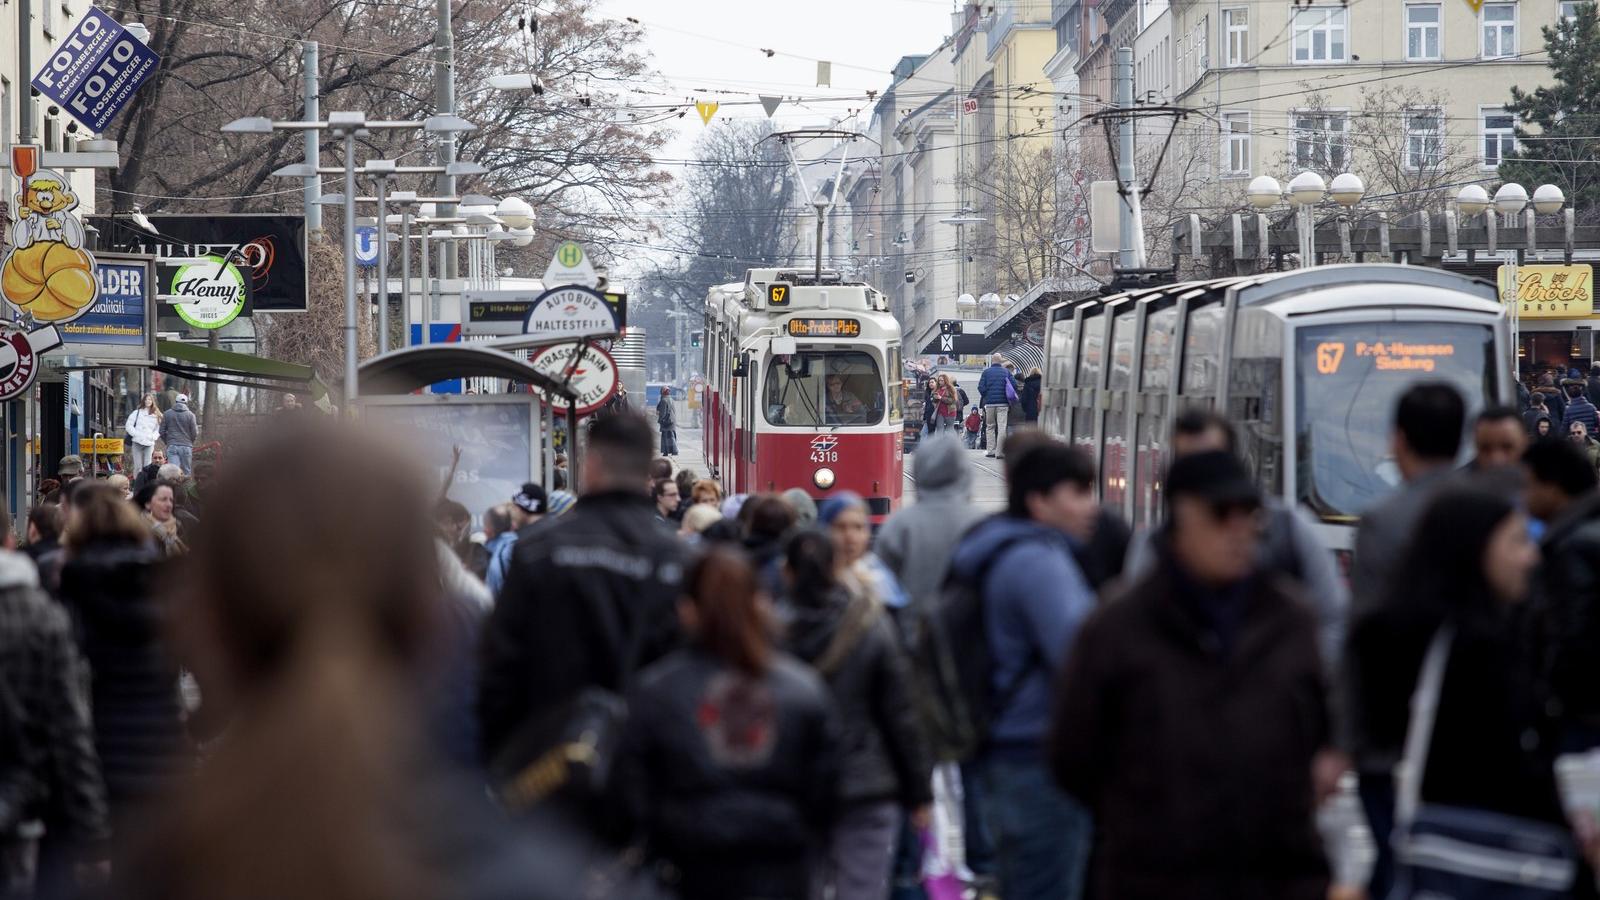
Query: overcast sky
x,y
703,46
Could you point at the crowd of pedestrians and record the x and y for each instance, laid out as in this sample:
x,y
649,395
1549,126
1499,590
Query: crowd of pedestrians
x,y
307,676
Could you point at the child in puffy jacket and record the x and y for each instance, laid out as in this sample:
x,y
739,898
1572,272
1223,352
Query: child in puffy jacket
x,y
974,424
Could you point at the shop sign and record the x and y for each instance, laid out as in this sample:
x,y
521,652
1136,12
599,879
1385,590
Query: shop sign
x,y
270,251
96,70
207,293
118,328
100,446
47,274
19,358
592,376
1550,292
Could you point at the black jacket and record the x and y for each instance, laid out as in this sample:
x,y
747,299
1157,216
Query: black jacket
x,y
885,755
1562,621
1488,718
731,778
1192,742
577,590
51,771
138,725
1029,397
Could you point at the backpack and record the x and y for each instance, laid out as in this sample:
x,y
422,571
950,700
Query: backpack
x,y
962,394
952,661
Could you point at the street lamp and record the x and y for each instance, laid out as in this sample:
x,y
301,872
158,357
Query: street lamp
x,y
1510,199
1264,192
1472,200
1548,200
347,124
1347,189
1306,190
961,220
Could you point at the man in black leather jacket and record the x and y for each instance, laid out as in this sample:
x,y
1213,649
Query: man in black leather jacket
x,y
589,597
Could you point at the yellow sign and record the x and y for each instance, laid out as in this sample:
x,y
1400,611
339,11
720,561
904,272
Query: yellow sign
x,y
1477,5
825,327
101,447
1328,358
777,295
706,110
47,273
1551,292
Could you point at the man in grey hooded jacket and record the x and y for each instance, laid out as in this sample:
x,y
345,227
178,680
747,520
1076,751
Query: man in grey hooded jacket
x,y
179,432
917,542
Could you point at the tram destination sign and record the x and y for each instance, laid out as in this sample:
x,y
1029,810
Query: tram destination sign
x,y
847,328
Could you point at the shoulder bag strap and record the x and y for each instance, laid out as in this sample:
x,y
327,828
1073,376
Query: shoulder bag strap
x,y
858,616
1419,733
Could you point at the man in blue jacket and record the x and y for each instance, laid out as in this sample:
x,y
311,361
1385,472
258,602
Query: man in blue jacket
x,y
1034,600
996,399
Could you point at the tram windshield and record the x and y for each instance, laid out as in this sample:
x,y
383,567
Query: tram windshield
x,y
1350,377
825,387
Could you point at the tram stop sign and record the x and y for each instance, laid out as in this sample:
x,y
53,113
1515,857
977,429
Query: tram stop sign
x,y
366,245
570,265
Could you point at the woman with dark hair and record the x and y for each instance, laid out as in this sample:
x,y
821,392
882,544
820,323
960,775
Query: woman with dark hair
x,y
667,421
108,582
157,502
1029,396
312,611
886,767
1467,569
729,761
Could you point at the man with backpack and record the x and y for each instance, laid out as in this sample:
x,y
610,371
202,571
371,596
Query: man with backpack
x,y
1008,613
997,391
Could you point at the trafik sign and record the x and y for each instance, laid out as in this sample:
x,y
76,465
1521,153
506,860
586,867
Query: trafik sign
x,y
96,70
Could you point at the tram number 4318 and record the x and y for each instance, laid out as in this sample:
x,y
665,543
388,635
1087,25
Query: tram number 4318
x,y
825,449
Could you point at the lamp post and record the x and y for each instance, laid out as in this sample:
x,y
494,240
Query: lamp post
x,y
347,125
1305,191
1510,200
961,220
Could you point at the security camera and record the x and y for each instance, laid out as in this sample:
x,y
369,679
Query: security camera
x,y
52,110
911,277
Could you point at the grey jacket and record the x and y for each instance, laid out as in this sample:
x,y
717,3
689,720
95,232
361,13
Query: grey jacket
x,y
917,542
179,427
1291,547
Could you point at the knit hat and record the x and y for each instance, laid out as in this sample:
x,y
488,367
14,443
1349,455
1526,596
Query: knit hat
x,y
560,502
531,499
832,507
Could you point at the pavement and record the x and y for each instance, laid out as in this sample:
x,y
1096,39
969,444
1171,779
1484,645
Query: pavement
x,y
988,476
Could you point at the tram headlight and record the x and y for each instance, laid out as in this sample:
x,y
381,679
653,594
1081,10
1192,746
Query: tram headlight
x,y
822,478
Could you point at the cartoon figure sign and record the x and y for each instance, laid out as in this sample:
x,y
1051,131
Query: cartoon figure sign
x,y
47,274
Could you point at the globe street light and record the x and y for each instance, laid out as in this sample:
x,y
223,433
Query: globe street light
x,y
1472,200
1347,189
1510,199
1548,200
1264,192
1306,190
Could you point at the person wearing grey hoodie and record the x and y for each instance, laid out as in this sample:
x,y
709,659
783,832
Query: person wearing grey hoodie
x,y
917,542
179,431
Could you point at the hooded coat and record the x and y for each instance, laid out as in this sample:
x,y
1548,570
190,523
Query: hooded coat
x,y
138,725
179,428
917,542
884,754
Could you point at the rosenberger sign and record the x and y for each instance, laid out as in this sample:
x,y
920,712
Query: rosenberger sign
x,y
593,376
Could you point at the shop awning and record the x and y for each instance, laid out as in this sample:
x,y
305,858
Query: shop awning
x,y
238,369
414,368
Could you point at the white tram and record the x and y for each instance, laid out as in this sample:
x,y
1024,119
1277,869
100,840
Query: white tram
x,y
803,387
1308,365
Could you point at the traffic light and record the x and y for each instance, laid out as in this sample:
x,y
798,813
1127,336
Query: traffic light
x,y
694,339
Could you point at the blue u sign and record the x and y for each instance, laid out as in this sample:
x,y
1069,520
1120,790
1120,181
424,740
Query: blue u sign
x,y
366,245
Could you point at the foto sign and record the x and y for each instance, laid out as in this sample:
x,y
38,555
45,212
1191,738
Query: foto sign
x,y
96,70
592,376
570,265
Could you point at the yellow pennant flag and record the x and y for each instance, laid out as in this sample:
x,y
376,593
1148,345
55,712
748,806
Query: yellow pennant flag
x,y
1477,5
707,110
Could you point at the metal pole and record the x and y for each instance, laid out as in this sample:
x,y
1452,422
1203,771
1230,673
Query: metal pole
x,y
351,358
19,411
439,270
427,290
383,265
313,137
819,243
444,88
1122,76
405,274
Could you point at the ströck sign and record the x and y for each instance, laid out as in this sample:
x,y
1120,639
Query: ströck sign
x,y
96,70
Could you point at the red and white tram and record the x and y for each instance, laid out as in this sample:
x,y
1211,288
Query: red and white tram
x,y
803,388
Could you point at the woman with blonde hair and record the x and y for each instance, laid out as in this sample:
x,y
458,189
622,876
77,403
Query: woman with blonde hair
x,y
707,491
143,427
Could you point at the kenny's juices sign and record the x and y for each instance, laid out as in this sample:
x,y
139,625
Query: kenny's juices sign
x,y
117,328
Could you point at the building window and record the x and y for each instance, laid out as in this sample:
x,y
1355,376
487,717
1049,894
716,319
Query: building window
x,y
1236,22
1424,138
1236,143
1499,136
1321,140
1422,31
1499,30
1569,9
1319,36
